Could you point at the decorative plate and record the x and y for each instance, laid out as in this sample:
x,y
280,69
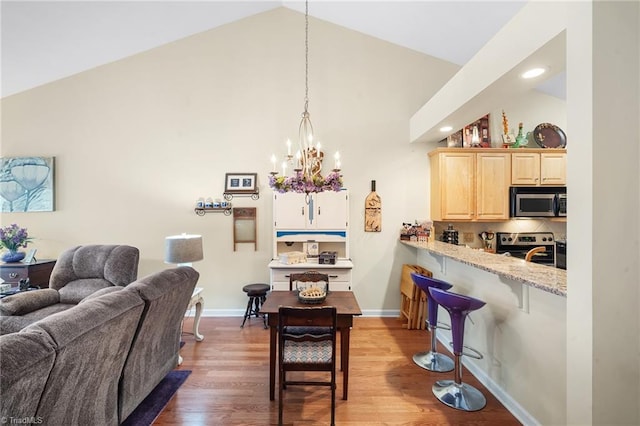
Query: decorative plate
x,y
549,135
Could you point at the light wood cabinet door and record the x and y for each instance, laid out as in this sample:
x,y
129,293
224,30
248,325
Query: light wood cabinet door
x,y
493,175
525,168
553,169
452,186
539,169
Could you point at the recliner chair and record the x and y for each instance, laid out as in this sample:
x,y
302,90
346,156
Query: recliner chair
x,y
78,273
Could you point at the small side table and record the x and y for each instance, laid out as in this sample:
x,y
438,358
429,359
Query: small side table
x,y
198,301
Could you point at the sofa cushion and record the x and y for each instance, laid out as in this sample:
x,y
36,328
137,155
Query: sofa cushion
x,y
26,361
99,293
22,303
77,290
92,341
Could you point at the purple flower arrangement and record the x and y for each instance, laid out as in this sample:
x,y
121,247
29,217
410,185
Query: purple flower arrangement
x,y
13,237
297,183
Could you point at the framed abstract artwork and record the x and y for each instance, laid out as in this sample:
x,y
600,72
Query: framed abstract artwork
x,y
26,184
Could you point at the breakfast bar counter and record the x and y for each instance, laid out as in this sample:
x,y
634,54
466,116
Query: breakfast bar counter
x,y
524,316
545,278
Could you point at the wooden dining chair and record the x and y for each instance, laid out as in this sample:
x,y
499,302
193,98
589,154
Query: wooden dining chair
x,y
308,277
308,351
533,252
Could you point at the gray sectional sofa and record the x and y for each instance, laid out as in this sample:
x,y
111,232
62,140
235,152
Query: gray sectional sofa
x,y
78,272
93,363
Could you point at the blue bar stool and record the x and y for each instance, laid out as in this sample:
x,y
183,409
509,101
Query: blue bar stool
x,y
455,393
432,360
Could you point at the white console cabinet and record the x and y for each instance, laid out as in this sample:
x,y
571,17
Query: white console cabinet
x,y
339,274
311,224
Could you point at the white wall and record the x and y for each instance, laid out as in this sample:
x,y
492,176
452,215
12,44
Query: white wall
x,y
137,141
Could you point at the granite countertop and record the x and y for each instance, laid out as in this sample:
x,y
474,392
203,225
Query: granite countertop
x,y
546,278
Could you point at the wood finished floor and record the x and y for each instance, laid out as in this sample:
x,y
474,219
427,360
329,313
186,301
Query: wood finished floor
x,y
230,382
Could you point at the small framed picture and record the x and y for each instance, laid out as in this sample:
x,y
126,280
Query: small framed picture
x,y
240,183
30,257
509,139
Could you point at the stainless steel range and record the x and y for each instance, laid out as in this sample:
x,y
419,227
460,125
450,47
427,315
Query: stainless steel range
x,y
518,244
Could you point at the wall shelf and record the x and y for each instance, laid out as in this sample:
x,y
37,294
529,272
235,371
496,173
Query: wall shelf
x,y
201,211
229,195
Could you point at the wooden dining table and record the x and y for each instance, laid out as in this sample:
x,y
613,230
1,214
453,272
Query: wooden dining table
x,y
346,306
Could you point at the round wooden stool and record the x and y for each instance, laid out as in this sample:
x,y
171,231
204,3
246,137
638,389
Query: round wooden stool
x,y
257,294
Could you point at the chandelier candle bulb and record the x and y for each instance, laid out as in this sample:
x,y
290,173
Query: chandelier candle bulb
x,y
273,162
284,168
336,162
288,146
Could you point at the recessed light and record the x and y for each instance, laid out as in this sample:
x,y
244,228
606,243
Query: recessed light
x,y
446,129
533,73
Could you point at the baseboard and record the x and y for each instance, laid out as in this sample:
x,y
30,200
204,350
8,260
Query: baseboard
x,y
240,313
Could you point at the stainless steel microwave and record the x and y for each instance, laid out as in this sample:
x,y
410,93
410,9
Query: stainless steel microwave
x,y
538,201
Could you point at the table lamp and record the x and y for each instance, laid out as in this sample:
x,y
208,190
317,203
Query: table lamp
x,y
183,249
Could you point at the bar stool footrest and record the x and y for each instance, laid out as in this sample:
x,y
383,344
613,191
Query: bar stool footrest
x,y
473,354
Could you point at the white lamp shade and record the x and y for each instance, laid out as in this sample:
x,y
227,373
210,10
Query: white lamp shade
x,y
183,248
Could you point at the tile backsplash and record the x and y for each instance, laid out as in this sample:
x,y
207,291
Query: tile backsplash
x,y
473,229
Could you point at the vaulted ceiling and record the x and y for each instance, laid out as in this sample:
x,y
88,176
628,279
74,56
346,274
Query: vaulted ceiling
x,y
43,41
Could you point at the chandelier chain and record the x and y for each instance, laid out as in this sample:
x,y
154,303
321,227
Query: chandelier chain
x,y
306,56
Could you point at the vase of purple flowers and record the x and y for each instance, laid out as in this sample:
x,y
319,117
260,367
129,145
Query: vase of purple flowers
x,y
12,238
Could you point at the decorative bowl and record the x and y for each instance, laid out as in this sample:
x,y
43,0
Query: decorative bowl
x,y
311,292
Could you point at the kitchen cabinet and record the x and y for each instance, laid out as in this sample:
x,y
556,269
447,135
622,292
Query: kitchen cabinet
x,y
539,169
322,210
469,185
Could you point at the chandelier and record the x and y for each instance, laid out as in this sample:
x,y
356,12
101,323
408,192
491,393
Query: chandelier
x,y
306,166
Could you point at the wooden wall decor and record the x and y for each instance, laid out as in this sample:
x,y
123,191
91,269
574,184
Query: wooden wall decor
x,y
244,226
373,211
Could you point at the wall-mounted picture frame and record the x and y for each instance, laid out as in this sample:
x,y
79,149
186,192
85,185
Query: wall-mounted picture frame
x,y
26,184
240,183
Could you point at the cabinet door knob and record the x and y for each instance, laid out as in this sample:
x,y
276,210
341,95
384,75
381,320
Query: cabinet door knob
x,y
302,211
333,276
13,275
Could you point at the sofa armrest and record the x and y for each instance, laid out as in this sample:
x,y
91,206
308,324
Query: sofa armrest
x,y
29,301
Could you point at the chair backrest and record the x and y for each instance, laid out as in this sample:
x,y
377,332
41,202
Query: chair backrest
x,y
25,364
319,320
82,270
91,341
154,351
308,277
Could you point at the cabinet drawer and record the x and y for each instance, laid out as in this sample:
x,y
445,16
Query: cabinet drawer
x,y
37,272
13,275
334,274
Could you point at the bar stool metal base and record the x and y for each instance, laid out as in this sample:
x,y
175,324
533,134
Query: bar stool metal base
x,y
459,396
433,361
